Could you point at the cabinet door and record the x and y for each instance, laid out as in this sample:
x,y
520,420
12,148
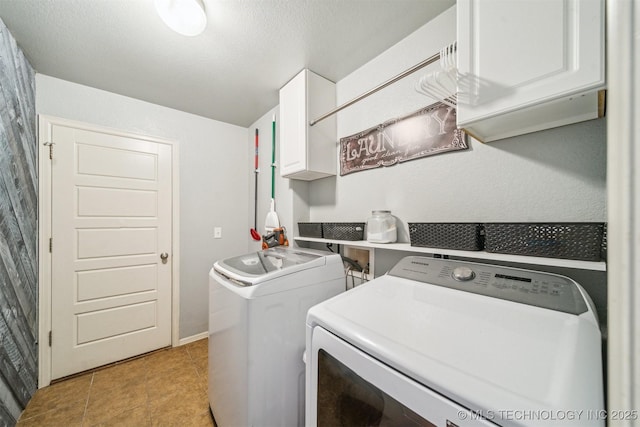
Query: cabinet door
x,y
514,54
293,126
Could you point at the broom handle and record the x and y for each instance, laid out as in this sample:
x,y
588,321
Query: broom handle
x,y
273,158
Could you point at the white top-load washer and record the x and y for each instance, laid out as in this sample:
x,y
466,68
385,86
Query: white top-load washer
x,y
257,308
452,343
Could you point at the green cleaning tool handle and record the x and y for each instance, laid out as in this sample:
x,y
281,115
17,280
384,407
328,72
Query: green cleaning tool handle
x,y
273,158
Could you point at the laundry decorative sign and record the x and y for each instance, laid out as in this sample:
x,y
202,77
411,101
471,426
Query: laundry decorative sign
x,y
431,130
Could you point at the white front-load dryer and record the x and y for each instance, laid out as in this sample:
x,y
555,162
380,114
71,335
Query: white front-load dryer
x,y
449,343
257,308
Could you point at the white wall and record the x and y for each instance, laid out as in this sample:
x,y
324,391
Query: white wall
x,y
623,51
555,175
212,184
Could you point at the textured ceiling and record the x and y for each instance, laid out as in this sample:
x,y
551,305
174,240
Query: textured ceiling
x,y
231,72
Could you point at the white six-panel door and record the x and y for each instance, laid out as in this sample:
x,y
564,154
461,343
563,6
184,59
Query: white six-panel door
x,y
111,219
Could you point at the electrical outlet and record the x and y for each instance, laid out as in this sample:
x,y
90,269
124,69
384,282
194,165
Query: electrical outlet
x,y
217,232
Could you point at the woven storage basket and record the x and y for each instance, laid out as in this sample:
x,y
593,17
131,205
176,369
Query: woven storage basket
x,y
343,230
579,241
310,229
461,236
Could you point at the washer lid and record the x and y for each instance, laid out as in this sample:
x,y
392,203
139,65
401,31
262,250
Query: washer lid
x,y
251,268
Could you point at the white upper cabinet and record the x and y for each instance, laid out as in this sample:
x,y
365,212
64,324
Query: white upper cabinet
x,y
307,152
528,65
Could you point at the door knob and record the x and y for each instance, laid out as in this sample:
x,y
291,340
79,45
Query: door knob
x,y
163,257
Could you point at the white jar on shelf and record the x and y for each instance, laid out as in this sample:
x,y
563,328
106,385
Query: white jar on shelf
x,y
381,227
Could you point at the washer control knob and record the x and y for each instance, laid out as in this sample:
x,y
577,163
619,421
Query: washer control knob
x,y
463,274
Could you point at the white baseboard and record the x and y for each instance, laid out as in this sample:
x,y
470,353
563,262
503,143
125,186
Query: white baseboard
x,y
193,338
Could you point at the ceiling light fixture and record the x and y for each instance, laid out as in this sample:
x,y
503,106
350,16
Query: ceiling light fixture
x,y
185,17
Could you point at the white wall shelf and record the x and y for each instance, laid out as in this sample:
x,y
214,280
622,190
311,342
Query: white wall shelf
x,y
481,255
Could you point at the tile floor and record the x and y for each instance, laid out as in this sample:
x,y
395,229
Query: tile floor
x,y
164,388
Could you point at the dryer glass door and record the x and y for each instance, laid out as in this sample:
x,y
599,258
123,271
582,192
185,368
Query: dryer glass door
x,y
348,387
346,399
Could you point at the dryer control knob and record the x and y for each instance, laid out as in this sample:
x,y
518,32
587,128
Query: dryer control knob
x,y
463,274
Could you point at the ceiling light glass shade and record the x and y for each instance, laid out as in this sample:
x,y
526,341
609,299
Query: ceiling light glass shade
x,y
185,17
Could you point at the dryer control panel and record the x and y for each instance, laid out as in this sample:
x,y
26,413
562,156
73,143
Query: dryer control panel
x,y
529,287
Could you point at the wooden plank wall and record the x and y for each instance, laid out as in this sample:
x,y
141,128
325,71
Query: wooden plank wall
x,y
18,231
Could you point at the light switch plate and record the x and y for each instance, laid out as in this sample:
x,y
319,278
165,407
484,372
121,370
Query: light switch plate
x,y
217,233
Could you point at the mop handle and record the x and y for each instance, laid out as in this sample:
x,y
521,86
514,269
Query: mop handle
x,y
256,153
255,195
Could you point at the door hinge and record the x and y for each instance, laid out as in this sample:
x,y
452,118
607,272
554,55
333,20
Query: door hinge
x,y
50,338
50,244
50,145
